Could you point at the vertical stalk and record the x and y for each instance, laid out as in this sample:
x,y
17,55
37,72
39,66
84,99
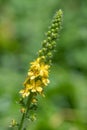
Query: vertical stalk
x,y
27,110
21,122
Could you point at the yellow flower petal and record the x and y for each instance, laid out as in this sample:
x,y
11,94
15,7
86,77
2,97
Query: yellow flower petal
x,y
37,77
33,90
39,89
24,93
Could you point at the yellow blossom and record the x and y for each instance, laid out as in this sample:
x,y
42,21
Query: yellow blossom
x,y
37,78
44,70
36,86
25,92
45,81
38,68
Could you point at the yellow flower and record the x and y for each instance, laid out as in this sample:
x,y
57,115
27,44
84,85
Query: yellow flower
x,y
44,70
25,92
45,81
38,68
37,78
36,62
36,86
34,69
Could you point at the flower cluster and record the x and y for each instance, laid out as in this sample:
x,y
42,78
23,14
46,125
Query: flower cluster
x,y
38,73
37,77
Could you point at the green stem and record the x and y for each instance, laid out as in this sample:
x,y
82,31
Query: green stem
x,y
29,102
21,122
27,110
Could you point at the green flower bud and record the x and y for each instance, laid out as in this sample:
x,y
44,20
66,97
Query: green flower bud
x,y
53,43
48,33
53,30
44,43
48,45
53,26
49,38
40,53
56,24
56,29
44,50
54,35
49,55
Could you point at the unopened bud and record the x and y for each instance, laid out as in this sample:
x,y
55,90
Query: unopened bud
x,y
23,110
49,55
13,123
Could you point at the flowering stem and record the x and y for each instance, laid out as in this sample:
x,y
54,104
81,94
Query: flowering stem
x,y
38,73
27,110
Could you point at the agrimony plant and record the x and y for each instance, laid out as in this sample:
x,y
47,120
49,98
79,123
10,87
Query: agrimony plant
x,y
38,74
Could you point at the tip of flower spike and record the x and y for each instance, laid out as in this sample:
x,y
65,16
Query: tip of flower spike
x,y
59,12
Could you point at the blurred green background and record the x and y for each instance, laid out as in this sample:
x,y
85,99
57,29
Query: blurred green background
x,y
22,27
